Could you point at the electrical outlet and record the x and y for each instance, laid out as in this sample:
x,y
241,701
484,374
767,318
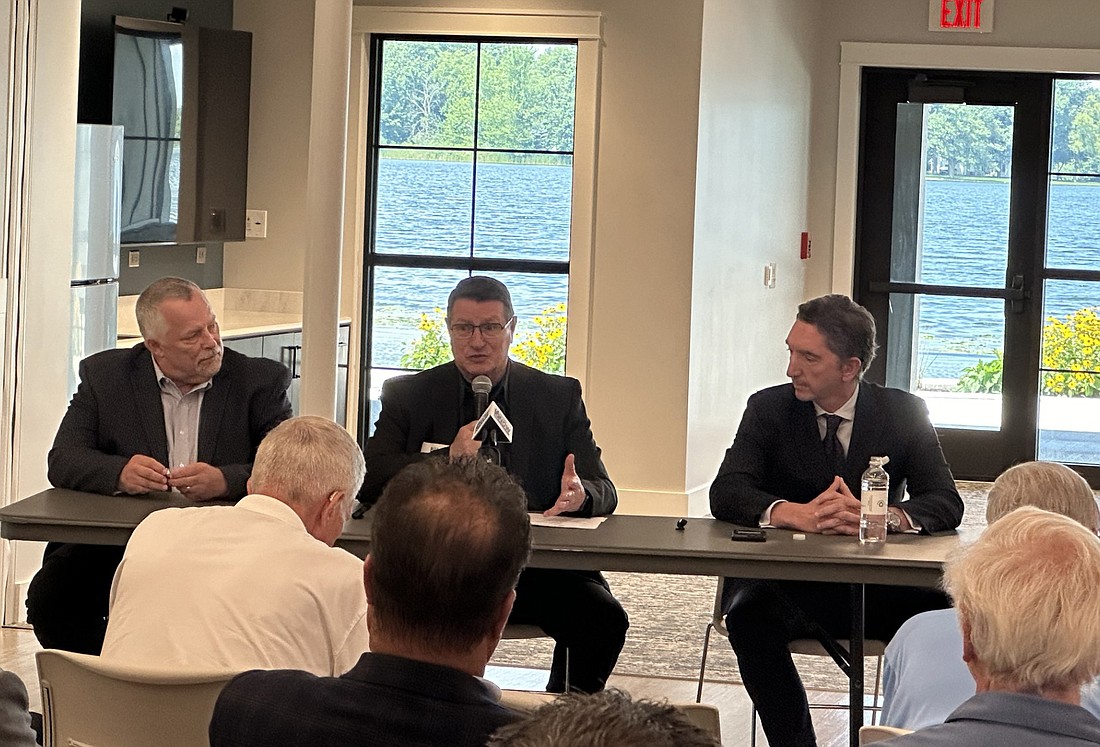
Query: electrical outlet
x,y
255,224
133,258
769,275
200,255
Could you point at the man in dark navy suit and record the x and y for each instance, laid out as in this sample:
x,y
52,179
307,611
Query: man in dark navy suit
x,y
176,412
796,464
553,456
448,542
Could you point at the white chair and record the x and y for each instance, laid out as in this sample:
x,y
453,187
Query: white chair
x,y
88,702
705,716
804,646
880,733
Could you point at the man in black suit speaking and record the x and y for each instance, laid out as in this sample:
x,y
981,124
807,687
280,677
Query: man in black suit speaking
x,y
552,455
796,464
176,412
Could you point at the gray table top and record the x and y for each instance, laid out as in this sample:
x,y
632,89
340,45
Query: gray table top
x,y
645,544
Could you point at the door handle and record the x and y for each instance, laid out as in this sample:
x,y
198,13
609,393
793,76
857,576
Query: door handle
x,y
1017,294
292,355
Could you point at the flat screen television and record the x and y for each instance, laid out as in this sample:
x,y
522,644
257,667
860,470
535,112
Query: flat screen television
x,y
181,94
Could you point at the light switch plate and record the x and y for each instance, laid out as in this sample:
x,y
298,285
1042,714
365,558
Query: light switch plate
x,y
255,224
133,258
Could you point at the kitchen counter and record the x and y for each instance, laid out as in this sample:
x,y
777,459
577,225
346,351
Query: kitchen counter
x,y
241,313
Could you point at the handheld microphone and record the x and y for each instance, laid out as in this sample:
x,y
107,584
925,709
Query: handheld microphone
x,y
481,385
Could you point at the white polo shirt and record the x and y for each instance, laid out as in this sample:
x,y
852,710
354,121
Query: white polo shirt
x,y
236,588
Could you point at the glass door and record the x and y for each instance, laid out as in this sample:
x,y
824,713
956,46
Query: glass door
x,y
951,209
1069,399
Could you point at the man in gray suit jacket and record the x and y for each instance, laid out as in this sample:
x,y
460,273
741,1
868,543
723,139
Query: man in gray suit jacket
x,y
174,413
1027,593
447,545
15,720
796,464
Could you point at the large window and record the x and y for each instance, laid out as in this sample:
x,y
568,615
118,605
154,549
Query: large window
x,y
471,172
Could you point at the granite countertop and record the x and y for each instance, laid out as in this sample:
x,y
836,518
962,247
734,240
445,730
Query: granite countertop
x,y
241,313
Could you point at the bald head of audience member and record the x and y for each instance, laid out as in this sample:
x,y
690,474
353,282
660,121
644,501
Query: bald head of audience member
x,y
1047,485
1027,592
448,542
315,467
606,719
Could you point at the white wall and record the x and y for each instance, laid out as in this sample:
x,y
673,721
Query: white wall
x,y
758,85
36,378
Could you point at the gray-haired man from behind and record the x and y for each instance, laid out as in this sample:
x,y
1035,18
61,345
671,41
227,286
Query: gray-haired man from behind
x,y
255,585
448,542
1028,597
924,676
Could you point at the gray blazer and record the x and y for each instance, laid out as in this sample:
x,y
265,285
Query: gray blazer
x,y
15,719
996,719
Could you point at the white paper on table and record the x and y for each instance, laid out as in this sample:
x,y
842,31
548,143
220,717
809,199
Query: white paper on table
x,y
567,522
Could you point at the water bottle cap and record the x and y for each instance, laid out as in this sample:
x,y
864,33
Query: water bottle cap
x,y
880,460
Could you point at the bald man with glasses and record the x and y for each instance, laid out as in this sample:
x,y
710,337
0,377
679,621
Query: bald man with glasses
x,y
552,454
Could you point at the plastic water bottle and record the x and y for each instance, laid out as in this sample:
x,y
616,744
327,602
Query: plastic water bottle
x,y
875,497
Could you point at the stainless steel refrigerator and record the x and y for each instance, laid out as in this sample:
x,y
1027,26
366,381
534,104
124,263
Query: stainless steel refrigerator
x,y
96,221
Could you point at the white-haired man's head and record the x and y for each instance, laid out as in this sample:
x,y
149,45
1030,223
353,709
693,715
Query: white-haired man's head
x,y
1047,485
315,467
1028,596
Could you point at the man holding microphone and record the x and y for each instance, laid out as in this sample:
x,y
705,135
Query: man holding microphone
x,y
552,454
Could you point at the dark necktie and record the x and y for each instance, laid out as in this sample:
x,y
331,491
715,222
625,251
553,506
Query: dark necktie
x,y
834,451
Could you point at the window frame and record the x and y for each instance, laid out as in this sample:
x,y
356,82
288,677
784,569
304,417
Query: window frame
x,y
585,29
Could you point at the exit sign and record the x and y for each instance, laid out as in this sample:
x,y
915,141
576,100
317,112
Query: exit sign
x,y
960,15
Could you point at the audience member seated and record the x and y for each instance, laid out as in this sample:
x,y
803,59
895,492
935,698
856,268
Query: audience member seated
x,y
925,678
607,719
15,720
258,584
1027,593
448,542
176,412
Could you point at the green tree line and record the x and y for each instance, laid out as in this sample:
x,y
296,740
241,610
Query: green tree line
x,y
522,95
977,140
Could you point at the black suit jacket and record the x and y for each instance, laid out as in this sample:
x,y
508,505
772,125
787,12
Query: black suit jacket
x,y
117,413
547,415
778,454
383,701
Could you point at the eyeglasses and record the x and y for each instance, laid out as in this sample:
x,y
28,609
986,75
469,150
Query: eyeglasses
x,y
489,330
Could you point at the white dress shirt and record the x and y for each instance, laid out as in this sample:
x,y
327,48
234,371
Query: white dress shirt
x,y
235,588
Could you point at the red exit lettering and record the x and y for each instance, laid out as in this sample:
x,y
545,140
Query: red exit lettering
x,y
960,14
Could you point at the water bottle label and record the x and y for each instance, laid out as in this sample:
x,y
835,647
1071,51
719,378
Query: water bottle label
x,y
874,502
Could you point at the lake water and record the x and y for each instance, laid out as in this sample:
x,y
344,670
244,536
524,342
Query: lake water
x,y
523,213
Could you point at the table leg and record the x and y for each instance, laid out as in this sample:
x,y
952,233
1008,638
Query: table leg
x,y
855,683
